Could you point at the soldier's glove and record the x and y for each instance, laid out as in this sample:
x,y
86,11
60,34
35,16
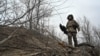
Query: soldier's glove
x,y
78,29
63,28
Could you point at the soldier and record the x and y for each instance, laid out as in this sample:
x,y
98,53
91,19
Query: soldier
x,y
72,27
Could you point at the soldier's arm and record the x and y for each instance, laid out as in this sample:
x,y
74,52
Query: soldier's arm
x,y
78,27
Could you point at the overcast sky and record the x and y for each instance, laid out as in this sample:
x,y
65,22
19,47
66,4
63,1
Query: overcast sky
x,y
79,8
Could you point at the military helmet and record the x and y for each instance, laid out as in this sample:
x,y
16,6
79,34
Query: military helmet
x,y
70,17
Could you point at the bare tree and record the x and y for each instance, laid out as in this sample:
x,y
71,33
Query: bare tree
x,y
37,14
90,33
30,13
87,30
3,9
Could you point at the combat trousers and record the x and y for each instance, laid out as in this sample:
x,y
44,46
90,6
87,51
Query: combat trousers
x,y
70,36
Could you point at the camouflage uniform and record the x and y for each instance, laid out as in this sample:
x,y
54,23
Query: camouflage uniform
x,y
71,26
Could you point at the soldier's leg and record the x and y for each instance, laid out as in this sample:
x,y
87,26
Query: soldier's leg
x,y
75,39
70,39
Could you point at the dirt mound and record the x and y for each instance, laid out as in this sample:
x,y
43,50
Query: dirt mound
x,y
26,42
21,38
23,42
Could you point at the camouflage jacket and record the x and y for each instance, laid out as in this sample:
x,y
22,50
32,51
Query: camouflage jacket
x,y
72,26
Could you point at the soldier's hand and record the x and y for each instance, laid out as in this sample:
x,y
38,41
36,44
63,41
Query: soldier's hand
x,y
78,30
